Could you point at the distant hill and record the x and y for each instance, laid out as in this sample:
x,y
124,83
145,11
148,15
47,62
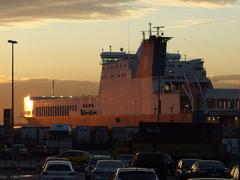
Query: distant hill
x,y
42,87
226,81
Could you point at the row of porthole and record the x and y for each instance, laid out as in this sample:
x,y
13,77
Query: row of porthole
x,y
112,76
119,75
88,105
111,67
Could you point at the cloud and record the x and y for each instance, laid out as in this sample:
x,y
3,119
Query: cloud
x,y
18,12
194,22
31,13
196,3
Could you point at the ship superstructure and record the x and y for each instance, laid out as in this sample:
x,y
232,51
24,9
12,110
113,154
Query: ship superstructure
x,y
150,85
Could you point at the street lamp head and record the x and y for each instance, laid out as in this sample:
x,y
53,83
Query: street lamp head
x,y
13,42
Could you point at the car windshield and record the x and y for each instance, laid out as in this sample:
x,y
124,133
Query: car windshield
x,y
93,161
211,165
137,175
188,163
58,167
109,164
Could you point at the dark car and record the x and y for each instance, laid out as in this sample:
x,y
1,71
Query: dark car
x,y
154,160
92,163
208,168
126,159
183,167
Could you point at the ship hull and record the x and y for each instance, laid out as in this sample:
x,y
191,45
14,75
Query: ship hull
x,y
110,121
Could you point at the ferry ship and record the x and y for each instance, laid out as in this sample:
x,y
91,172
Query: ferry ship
x,y
150,85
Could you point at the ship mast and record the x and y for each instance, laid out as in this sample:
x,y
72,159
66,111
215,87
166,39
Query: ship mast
x,y
53,88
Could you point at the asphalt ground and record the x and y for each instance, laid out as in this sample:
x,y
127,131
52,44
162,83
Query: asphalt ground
x,y
27,175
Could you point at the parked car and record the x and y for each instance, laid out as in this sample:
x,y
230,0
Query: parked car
x,y
51,158
79,159
106,169
135,174
58,170
126,159
171,165
154,160
208,168
235,172
183,167
92,163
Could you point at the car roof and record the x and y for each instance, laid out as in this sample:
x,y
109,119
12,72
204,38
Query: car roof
x,y
75,150
100,156
110,160
184,160
201,161
135,169
59,162
126,155
56,159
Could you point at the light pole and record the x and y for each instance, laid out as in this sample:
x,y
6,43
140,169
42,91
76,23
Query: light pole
x,y
12,42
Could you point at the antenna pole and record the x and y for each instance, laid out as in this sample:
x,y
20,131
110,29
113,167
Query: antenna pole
x,y
150,29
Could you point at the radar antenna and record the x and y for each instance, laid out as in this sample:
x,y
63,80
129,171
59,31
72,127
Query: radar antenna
x,y
53,87
158,30
143,34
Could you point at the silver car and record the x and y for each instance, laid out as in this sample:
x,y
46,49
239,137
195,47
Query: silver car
x,y
135,174
59,170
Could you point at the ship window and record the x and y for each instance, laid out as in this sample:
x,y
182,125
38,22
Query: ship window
x,y
224,104
238,104
229,104
83,105
211,103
